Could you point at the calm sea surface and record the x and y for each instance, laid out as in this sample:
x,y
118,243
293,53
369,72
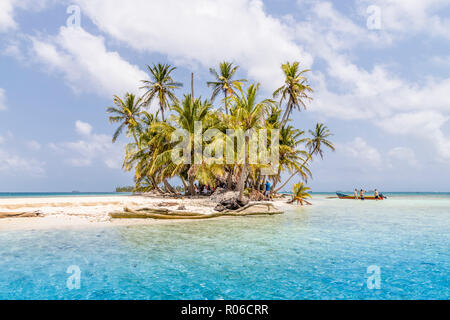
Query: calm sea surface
x,y
318,252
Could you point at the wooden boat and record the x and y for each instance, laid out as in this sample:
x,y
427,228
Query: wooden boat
x,y
351,197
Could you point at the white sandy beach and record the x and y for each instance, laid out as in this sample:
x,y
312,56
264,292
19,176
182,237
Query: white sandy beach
x,y
93,211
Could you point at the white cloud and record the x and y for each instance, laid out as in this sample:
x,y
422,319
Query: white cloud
x,y
404,155
426,125
12,50
364,154
83,128
6,15
441,61
413,123
202,32
33,145
346,90
325,28
362,94
2,99
7,8
86,63
412,16
92,147
13,164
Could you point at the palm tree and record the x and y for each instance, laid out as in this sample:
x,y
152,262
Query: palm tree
x,y
295,89
127,113
193,110
224,81
300,193
248,114
290,154
186,113
161,86
147,159
150,154
315,145
319,139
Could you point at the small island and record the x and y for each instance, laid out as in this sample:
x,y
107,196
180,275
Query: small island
x,y
228,153
190,140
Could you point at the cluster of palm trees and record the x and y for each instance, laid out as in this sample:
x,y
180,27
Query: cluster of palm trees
x,y
149,153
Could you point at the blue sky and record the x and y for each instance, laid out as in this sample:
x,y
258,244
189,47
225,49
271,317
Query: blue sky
x,y
382,89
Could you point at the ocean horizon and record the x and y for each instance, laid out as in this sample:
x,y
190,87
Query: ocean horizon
x,y
112,193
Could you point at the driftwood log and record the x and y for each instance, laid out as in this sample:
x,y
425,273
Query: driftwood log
x,y
154,213
4,215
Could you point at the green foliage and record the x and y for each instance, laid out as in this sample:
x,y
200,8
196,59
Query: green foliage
x,y
125,189
224,81
295,89
127,113
149,154
160,87
300,192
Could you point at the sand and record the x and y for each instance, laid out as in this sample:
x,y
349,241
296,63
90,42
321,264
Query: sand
x,y
93,211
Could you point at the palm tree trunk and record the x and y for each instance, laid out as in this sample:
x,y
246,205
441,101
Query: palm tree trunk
x,y
155,185
226,102
162,110
281,187
169,187
295,173
261,186
185,185
278,178
244,170
192,84
230,179
285,116
258,179
191,186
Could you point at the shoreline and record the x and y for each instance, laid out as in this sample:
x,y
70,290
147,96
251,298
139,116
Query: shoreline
x,y
74,212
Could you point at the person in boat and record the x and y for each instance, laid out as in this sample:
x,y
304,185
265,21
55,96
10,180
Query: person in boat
x,y
361,194
376,194
356,194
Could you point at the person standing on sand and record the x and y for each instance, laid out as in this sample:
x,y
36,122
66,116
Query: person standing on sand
x,y
376,194
267,192
361,194
356,194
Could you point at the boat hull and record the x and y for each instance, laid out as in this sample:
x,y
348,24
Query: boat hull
x,y
347,197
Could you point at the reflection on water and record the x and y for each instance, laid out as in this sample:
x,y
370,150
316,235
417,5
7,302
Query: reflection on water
x,y
318,252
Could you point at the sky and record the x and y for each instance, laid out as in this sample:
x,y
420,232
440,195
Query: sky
x,y
380,74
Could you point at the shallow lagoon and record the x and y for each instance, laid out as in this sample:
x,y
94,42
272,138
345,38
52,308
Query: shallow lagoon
x,y
318,252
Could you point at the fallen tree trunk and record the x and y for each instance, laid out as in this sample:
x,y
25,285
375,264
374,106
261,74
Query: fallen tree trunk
x,y
150,213
4,215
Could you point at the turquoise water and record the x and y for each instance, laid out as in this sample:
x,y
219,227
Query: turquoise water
x,y
318,252
57,194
